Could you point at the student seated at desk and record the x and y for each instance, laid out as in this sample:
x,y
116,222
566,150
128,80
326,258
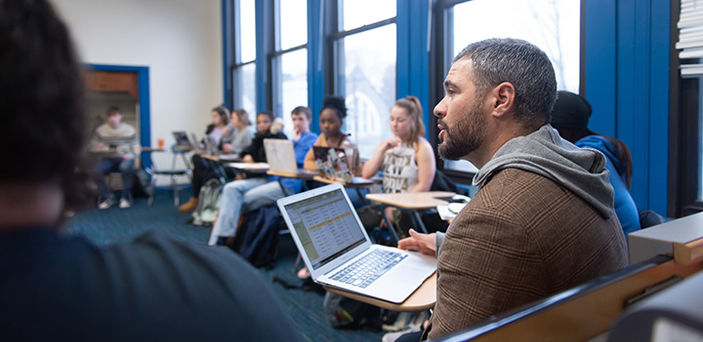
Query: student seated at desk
x,y
220,121
331,120
234,140
570,117
542,220
57,287
407,161
122,138
252,193
238,136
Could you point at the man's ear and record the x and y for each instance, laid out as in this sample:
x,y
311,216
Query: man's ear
x,y
503,99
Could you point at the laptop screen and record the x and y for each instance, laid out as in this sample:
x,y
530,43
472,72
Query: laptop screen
x,y
182,139
325,226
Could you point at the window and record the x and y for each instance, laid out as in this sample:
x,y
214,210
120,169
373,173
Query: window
x,y
290,60
365,69
244,70
552,25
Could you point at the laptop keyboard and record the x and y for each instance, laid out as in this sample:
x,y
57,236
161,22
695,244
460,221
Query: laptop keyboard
x,y
368,268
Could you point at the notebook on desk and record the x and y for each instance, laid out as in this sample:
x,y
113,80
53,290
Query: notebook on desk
x,y
338,253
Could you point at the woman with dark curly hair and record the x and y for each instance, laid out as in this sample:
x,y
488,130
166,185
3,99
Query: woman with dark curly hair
x,y
331,120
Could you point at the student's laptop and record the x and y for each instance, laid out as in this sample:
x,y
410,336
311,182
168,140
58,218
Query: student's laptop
x,y
333,163
280,155
338,253
182,140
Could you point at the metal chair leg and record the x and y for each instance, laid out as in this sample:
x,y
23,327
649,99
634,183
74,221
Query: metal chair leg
x,y
389,225
174,186
152,192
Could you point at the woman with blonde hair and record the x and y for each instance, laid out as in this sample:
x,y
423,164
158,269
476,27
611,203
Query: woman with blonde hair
x,y
406,161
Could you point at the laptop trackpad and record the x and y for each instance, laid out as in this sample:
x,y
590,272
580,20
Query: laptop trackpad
x,y
399,283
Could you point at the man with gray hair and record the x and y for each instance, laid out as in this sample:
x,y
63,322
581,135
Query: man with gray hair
x,y
542,220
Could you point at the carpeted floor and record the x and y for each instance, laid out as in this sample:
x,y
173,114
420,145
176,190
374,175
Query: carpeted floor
x,y
118,225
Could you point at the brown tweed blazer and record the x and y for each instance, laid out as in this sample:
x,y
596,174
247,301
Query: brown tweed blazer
x,y
521,238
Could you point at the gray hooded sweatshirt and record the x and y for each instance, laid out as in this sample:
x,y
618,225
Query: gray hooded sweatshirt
x,y
544,152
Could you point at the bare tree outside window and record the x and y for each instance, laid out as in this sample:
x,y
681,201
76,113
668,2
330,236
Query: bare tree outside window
x,y
552,25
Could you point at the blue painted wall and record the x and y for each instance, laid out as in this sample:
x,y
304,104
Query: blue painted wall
x,y
627,82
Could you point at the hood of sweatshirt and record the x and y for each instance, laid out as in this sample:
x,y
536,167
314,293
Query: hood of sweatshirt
x,y
603,145
544,152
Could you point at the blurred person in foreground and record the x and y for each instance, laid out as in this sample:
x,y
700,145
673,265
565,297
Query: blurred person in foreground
x,y
58,287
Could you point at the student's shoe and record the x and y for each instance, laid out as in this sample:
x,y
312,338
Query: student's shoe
x,y
190,205
125,203
107,203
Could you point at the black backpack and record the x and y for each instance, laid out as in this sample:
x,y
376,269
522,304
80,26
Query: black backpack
x,y
442,182
347,313
257,236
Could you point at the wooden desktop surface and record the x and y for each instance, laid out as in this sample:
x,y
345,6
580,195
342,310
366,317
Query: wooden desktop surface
x,y
422,299
114,150
356,182
210,157
299,175
412,200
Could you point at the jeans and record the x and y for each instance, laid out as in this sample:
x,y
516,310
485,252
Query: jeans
x,y
242,196
124,166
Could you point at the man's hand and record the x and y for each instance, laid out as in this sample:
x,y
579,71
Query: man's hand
x,y
248,159
425,243
127,156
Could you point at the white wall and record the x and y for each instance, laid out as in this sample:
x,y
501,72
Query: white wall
x,y
179,40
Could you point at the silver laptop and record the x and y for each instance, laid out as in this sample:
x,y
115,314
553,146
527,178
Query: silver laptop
x,y
338,253
280,155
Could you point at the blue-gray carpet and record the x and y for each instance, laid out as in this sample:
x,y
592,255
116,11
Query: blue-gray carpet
x,y
117,225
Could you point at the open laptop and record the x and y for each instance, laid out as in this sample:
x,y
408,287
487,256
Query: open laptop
x,y
280,155
338,253
333,163
182,140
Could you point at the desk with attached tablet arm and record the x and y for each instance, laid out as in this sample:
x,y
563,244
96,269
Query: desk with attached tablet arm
x,y
411,202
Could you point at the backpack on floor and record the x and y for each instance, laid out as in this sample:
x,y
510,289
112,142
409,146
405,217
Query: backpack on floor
x,y
208,202
343,312
257,236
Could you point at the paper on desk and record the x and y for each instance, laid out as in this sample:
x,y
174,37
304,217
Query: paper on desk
x,y
232,157
444,213
249,166
449,211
